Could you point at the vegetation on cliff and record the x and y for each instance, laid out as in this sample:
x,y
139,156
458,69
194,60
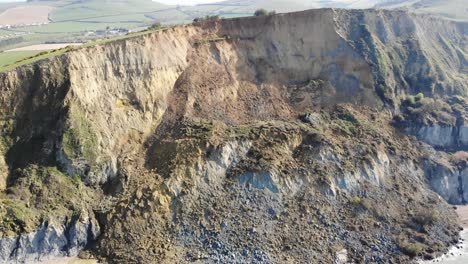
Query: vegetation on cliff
x,y
37,195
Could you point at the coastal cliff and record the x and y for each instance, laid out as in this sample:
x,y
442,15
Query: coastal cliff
x,y
251,139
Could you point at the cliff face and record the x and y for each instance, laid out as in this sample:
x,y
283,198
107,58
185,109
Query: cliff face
x,y
360,52
98,99
282,121
49,242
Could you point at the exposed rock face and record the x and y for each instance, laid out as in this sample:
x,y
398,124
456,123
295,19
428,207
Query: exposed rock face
x,y
190,141
360,52
447,173
49,242
450,183
442,137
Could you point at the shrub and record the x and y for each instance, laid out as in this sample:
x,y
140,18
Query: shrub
x,y
212,17
206,18
426,217
14,216
356,200
419,97
425,110
347,115
69,48
155,26
411,249
365,203
79,139
414,100
362,202
42,53
261,12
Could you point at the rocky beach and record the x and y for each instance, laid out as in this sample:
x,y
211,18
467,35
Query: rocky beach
x,y
458,254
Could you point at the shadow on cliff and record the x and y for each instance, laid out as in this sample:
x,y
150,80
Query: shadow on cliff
x,y
39,122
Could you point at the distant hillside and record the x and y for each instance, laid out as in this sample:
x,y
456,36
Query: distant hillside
x,y
249,6
452,9
87,20
80,21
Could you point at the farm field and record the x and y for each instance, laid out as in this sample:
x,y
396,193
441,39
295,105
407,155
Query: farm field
x,y
78,21
42,47
71,26
25,15
96,9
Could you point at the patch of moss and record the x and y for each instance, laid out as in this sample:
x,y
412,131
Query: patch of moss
x,y
216,132
6,128
39,193
356,200
202,130
423,110
15,217
409,247
426,217
345,121
167,155
362,202
79,139
346,127
383,62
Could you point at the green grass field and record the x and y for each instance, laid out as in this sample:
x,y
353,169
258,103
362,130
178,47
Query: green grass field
x,y
96,9
10,58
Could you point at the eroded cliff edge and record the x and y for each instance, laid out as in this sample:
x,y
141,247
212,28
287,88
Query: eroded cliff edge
x,y
268,139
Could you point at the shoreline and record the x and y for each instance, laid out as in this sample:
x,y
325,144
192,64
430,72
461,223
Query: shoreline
x,y
457,254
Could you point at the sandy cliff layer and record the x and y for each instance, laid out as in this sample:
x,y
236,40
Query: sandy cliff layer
x,y
171,138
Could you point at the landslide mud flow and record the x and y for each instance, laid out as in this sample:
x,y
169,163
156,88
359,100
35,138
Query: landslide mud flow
x,y
323,136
